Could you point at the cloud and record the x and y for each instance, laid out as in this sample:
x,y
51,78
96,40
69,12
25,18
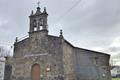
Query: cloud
x,y
113,48
116,42
3,22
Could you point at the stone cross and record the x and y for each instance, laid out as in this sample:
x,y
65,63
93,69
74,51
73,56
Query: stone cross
x,y
38,3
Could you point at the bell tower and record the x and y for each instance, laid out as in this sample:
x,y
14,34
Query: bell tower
x,y
38,20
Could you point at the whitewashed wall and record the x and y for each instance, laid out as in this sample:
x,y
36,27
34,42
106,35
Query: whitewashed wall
x,y
2,68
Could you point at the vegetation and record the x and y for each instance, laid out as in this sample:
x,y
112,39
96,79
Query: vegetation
x,y
115,78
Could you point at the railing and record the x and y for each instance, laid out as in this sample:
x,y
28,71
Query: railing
x,y
22,38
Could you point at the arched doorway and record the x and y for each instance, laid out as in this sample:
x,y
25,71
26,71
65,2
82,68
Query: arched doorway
x,y
35,72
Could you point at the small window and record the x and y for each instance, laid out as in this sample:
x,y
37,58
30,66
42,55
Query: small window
x,y
34,23
40,21
41,27
35,28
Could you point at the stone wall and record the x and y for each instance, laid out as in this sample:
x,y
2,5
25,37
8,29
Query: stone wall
x,y
65,61
20,48
42,49
22,67
68,62
92,65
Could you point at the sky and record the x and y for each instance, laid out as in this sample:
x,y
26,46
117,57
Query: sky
x,y
89,24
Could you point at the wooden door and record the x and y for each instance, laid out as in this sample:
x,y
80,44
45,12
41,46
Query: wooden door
x,y
35,72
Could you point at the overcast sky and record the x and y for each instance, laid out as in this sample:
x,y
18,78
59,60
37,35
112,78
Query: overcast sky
x,y
91,24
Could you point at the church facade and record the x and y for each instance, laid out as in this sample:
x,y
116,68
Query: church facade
x,y
46,57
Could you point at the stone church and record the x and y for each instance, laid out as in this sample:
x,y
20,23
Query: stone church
x,y
41,56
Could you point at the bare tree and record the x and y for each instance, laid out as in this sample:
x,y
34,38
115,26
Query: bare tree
x,y
4,52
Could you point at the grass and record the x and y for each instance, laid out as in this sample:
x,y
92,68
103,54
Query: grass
x,y
115,78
